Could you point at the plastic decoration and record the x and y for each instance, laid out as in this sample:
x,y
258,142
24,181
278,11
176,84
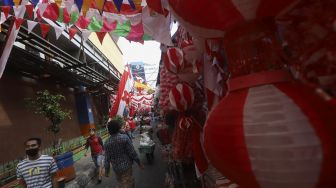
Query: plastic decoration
x,y
181,97
173,60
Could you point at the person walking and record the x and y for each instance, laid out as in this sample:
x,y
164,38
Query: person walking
x,y
97,152
132,124
120,152
36,171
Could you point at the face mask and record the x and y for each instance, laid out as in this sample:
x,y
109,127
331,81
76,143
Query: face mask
x,y
32,152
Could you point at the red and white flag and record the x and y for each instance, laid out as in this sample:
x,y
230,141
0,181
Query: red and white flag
x,y
123,96
10,40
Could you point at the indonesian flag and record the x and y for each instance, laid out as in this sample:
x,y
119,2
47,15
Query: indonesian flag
x,y
10,40
123,96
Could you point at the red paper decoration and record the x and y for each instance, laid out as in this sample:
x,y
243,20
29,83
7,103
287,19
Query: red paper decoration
x,y
44,29
72,32
173,60
181,97
273,135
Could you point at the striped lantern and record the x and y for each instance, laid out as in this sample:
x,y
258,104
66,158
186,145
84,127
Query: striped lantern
x,y
181,97
272,135
173,60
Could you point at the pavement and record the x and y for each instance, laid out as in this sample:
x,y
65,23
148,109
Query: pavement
x,y
153,176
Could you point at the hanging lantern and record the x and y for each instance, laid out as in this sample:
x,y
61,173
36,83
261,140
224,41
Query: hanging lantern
x,y
269,131
181,97
173,60
193,59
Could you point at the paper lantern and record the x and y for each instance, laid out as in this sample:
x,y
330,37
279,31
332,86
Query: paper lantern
x,y
181,97
173,60
210,18
273,135
269,131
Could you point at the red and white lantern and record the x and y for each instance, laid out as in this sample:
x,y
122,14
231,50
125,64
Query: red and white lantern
x,y
273,135
173,60
181,97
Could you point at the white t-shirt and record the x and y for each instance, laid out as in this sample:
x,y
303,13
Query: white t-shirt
x,y
37,173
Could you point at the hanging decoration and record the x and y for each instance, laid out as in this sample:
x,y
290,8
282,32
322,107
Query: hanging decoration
x,y
122,18
267,121
220,15
44,29
181,97
173,60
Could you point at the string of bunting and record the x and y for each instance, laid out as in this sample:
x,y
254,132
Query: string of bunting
x,y
101,16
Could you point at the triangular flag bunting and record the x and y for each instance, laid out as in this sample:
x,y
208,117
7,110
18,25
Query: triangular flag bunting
x,y
72,32
123,30
86,34
60,17
136,33
29,10
79,4
51,12
146,37
34,2
109,7
68,4
108,26
8,3
95,25
44,29
101,36
66,16
118,4
31,25
42,7
17,10
99,4
58,2
5,10
3,18
135,19
58,31
38,15
18,22
132,4
74,17
82,22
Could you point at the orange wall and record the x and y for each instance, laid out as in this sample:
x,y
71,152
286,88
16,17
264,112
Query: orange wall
x,y
17,123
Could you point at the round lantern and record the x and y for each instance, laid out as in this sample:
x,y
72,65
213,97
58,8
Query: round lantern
x,y
173,60
273,135
181,97
269,132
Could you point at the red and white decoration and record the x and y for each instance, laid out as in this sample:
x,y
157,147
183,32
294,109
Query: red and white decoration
x,y
173,60
181,97
216,16
273,135
168,80
123,96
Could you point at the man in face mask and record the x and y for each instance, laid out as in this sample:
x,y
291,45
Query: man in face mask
x,y
36,170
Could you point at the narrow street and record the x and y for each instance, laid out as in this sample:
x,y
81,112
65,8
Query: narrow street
x,y
153,176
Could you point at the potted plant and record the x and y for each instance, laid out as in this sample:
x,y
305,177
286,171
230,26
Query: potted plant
x,y
49,106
